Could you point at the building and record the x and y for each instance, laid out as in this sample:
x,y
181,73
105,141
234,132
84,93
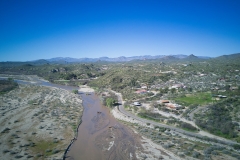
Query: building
x,y
221,96
234,88
173,106
136,103
143,91
164,101
144,87
177,86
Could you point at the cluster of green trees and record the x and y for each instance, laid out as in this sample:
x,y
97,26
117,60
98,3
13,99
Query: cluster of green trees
x,y
218,119
68,76
187,126
75,91
53,72
110,102
134,83
151,116
164,90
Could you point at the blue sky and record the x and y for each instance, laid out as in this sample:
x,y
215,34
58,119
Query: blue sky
x,y
43,29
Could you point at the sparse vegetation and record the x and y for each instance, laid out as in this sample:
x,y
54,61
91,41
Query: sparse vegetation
x,y
44,147
75,91
44,121
217,119
7,85
208,91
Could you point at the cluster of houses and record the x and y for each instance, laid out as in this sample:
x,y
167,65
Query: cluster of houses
x,y
167,103
143,89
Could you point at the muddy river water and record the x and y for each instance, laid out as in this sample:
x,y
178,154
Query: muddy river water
x,y
100,135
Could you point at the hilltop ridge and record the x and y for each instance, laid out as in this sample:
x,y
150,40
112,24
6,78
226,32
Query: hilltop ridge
x,y
122,58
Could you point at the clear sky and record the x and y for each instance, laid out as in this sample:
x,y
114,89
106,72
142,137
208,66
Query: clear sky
x,y
42,29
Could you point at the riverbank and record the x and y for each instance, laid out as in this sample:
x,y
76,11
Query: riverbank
x,y
149,148
37,122
85,89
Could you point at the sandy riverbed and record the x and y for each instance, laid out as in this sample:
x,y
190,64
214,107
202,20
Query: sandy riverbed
x,y
85,89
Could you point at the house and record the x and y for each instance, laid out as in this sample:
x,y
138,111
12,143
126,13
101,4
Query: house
x,y
222,90
144,87
234,88
202,75
177,86
141,91
173,106
221,96
164,101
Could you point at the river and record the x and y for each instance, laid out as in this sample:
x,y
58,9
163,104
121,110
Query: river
x,y
100,136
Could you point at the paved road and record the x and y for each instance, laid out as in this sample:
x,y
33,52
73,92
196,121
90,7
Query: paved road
x,y
122,110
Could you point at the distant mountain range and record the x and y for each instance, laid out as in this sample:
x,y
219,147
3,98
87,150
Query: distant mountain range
x,y
124,59
166,58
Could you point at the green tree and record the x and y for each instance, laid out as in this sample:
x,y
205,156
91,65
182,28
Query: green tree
x,y
173,90
164,90
10,79
227,87
110,102
133,83
190,89
75,91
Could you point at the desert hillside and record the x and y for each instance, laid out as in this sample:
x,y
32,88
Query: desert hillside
x,y
37,122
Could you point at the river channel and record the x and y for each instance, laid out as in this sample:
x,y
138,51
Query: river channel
x,y
100,136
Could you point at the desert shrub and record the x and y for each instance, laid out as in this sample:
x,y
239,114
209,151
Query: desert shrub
x,y
195,154
187,126
18,156
214,153
7,85
55,151
75,91
236,146
6,151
